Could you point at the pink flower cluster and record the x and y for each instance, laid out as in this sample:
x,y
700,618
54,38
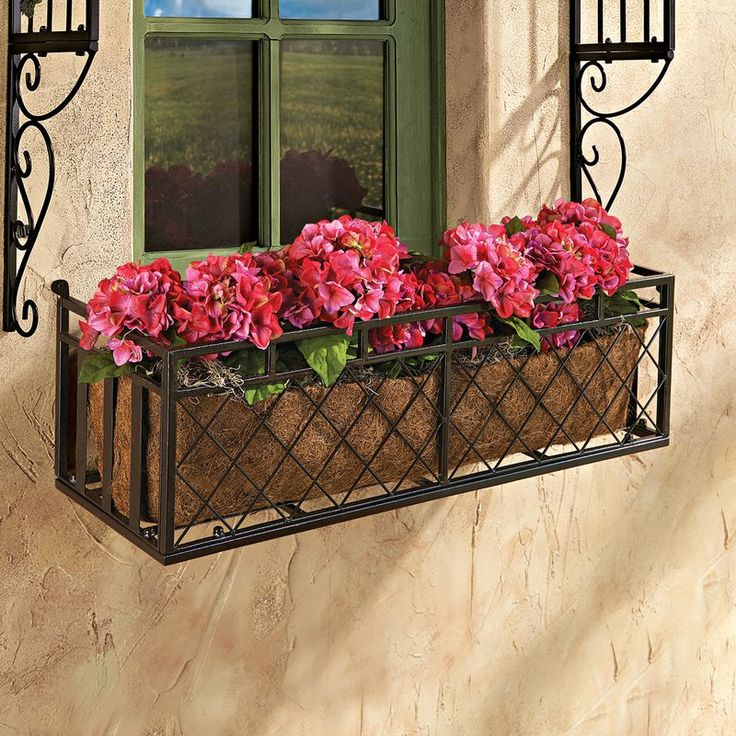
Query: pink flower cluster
x,y
229,298
582,245
555,314
139,299
428,286
502,274
337,272
341,271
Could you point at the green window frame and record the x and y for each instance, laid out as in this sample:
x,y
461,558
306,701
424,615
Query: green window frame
x,y
414,111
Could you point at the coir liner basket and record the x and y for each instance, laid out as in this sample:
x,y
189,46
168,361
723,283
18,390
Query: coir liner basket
x,y
307,441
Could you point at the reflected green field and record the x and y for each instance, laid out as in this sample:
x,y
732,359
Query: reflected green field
x,y
333,102
199,104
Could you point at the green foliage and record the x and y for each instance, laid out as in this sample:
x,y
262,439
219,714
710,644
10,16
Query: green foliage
x,y
514,226
548,284
327,356
623,302
98,366
525,335
397,368
250,363
608,230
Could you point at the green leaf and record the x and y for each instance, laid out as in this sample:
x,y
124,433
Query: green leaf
x,y
630,296
548,284
518,344
327,356
608,230
353,348
256,394
97,367
524,332
623,303
514,226
250,363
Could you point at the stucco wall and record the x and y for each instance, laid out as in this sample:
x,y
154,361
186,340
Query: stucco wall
x,y
595,602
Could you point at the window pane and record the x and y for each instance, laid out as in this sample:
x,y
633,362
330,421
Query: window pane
x,y
332,9
199,8
200,114
332,131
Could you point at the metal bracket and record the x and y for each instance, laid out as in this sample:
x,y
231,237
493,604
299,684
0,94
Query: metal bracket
x,y
588,74
35,31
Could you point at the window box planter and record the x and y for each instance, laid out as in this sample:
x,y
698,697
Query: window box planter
x,y
185,472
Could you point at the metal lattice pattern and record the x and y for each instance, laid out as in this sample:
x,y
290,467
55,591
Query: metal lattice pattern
x,y
183,472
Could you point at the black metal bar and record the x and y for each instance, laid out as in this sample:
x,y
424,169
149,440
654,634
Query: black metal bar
x,y
62,384
108,442
623,11
630,50
167,458
446,400
647,21
576,171
93,24
11,196
43,43
80,463
600,18
670,30
666,341
137,458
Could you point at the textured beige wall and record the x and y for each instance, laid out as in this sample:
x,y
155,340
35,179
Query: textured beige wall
x,y
595,602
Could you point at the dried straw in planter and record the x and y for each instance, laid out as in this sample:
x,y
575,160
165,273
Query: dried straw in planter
x,y
290,451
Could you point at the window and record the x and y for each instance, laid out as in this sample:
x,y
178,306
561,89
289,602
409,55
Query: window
x,y
254,118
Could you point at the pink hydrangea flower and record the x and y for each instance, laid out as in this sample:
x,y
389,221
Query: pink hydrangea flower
x,y
555,314
230,298
140,299
343,270
500,271
583,246
427,286
125,351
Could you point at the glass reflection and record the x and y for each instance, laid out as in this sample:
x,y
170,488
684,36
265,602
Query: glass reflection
x,y
200,113
332,131
332,9
199,8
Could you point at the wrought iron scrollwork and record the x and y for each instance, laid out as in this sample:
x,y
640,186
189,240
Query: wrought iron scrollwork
x,y
588,77
23,230
27,48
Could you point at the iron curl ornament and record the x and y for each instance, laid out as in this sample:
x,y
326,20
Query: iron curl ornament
x,y
589,77
35,34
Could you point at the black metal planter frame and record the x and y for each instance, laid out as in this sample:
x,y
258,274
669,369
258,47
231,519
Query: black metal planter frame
x,y
263,518
88,454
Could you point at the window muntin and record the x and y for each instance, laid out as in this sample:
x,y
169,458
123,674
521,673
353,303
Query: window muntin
x,y
413,165
332,131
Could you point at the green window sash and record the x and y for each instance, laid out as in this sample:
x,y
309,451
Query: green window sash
x,y
414,114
